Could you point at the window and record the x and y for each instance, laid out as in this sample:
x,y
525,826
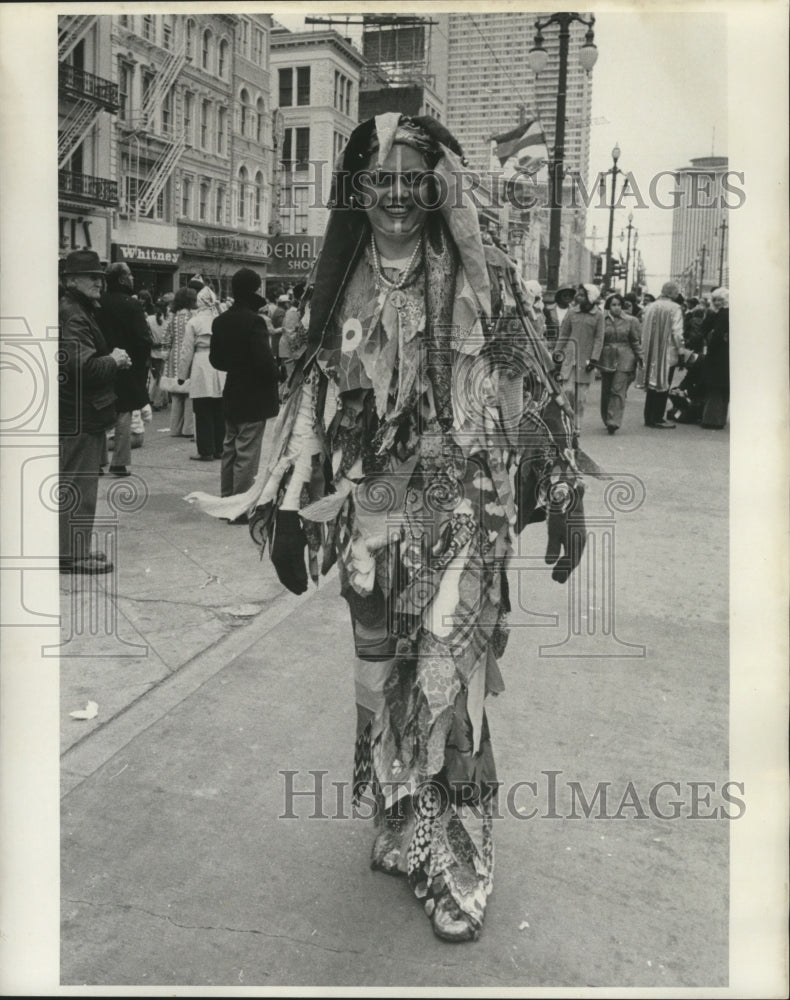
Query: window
x,y
204,113
222,59
242,37
258,196
124,90
258,47
167,113
286,88
293,210
189,112
259,120
148,80
296,148
342,98
221,126
300,209
167,31
243,177
186,196
303,85
148,27
339,142
190,38
203,202
245,113
205,58
123,20
348,98
219,206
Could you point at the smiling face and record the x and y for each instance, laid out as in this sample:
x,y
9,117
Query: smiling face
x,y
398,189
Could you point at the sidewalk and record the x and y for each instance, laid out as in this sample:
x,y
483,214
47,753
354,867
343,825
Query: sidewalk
x,y
177,865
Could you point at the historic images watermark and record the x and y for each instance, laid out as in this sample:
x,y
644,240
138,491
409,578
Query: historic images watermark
x,y
549,795
521,189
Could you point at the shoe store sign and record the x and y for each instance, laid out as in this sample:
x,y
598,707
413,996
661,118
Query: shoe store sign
x,y
290,255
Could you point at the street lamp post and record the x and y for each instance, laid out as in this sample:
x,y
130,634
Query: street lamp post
x,y
723,229
614,171
702,253
630,228
538,58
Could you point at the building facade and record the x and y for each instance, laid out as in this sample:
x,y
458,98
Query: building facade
x,y
315,81
88,100
700,233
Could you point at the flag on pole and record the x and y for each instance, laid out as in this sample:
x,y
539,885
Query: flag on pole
x,y
522,137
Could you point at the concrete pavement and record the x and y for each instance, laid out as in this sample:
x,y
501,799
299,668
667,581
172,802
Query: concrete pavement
x,y
177,869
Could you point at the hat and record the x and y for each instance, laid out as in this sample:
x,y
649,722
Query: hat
x,y
570,289
283,299
593,293
196,282
82,262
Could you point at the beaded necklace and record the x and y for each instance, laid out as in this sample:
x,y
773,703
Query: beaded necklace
x,y
405,277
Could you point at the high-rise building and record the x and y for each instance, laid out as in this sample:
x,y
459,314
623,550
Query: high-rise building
x,y
697,231
482,69
489,82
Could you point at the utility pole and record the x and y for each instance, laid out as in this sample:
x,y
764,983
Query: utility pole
x,y
702,253
723,231
630,227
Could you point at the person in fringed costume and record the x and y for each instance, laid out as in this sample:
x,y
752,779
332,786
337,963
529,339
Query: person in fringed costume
x,y
422,431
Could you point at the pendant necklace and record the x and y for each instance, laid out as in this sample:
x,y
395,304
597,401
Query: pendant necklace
x,y
397,297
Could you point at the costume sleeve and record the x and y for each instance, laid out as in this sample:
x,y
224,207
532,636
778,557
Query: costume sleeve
x,y
187,351
296,444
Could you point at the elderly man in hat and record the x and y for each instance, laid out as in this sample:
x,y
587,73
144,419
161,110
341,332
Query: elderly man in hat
x,y
580,343
240,347
88,369
556,311
662,348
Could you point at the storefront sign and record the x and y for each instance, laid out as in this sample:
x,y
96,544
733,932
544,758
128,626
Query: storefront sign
x,y
80,231
247,246
152,256
293,255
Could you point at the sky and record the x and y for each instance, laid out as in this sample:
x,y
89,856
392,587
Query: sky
x,y
659,92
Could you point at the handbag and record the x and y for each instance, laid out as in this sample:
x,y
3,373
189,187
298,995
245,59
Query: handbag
x,y
169,384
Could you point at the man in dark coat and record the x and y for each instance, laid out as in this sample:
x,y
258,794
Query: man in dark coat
x,y
240,347
86,397
124,324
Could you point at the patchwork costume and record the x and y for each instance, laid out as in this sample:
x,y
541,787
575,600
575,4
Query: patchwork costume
x,y
423,429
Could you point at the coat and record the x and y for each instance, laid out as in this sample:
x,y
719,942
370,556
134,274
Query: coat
x,y
124,324
193,362
716,367
240,347
662,338
87,373
580,340
622,344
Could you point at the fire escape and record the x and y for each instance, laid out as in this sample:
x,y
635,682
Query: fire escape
x,y
86,96
166,144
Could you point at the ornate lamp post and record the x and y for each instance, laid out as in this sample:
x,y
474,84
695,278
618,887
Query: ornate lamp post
x,y
538,58
630,228
614,171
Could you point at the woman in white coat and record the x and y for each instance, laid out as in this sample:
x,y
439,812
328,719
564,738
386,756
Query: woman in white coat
x,y
205,382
